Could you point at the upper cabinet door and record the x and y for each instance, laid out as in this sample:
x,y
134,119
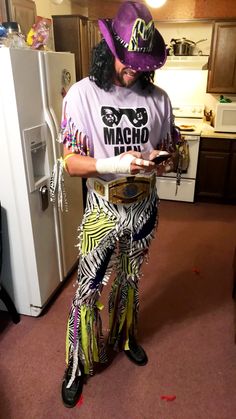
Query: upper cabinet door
x,y
3,11
79,35
222,64
67,37
23,12
94,34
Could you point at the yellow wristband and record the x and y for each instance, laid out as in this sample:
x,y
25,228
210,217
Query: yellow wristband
x,y
65,159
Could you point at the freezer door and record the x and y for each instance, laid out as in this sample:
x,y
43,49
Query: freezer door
x,y
30,265
59,68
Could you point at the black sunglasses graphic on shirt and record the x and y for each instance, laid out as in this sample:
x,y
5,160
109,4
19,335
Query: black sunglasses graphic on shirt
x,y
112,116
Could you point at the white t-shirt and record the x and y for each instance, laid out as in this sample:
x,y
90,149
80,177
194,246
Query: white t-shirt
x,y
104,124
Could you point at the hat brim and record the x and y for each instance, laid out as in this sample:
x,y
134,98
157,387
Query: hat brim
x,y
140,61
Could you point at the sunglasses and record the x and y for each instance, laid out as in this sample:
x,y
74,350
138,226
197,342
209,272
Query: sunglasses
x,y
112,116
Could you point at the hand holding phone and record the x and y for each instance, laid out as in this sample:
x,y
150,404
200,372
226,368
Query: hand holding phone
x,y
162,156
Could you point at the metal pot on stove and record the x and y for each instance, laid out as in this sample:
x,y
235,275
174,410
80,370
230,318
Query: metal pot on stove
x,y
184,46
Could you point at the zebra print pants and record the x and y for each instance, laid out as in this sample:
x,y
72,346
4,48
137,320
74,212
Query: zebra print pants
x,y
112,238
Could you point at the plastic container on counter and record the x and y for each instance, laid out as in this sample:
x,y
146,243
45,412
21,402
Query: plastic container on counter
x,y
14,38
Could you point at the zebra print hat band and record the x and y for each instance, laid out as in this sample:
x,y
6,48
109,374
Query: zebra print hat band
x,y
133,38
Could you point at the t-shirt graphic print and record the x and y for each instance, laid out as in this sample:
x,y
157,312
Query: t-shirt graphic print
x,y
125,128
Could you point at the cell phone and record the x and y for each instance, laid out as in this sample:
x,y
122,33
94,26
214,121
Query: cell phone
x,y
161,157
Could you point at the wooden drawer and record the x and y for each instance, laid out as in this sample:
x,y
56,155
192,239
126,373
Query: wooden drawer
x,y
215,144
234,145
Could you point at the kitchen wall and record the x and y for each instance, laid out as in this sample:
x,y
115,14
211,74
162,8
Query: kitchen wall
x,y
212,99
215,9
196,9
183,86
173,9
187,87
195,31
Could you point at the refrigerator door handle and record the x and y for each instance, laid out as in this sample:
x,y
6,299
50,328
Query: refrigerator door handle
x,y
52,129
61,257
44,197
55,121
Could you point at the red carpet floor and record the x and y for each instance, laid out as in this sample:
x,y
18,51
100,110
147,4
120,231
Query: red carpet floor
x,y
187,326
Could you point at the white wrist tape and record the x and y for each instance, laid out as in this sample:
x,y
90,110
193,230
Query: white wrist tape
x,y
117,164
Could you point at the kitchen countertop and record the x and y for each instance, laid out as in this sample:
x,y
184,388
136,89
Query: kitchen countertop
x,y
208,132
212,134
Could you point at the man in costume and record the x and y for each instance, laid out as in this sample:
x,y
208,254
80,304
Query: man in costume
x,y
115,122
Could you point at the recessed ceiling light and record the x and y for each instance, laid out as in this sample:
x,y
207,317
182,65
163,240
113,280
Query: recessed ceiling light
x,y
57,1
155,3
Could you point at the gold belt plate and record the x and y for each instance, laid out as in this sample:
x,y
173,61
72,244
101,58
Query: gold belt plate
x,y
130,189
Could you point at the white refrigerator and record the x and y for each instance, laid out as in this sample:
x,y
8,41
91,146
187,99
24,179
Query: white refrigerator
x,y
39,242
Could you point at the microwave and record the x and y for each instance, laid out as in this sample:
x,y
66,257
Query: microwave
x,y
225,117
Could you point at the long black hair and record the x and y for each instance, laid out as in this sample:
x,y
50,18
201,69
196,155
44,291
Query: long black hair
x,y
102,68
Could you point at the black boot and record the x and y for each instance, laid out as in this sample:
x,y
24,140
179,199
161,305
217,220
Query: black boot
x,y
71,396
136,353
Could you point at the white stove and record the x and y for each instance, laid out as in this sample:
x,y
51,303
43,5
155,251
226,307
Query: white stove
x,y
189,119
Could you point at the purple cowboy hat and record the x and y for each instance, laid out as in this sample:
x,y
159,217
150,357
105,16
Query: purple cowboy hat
x,y
133,38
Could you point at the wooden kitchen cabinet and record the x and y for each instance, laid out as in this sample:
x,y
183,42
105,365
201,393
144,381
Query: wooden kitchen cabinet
x,y
20,11
70,34
23,12
3,11
94,34
78,35
231,184
222,63
216,174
